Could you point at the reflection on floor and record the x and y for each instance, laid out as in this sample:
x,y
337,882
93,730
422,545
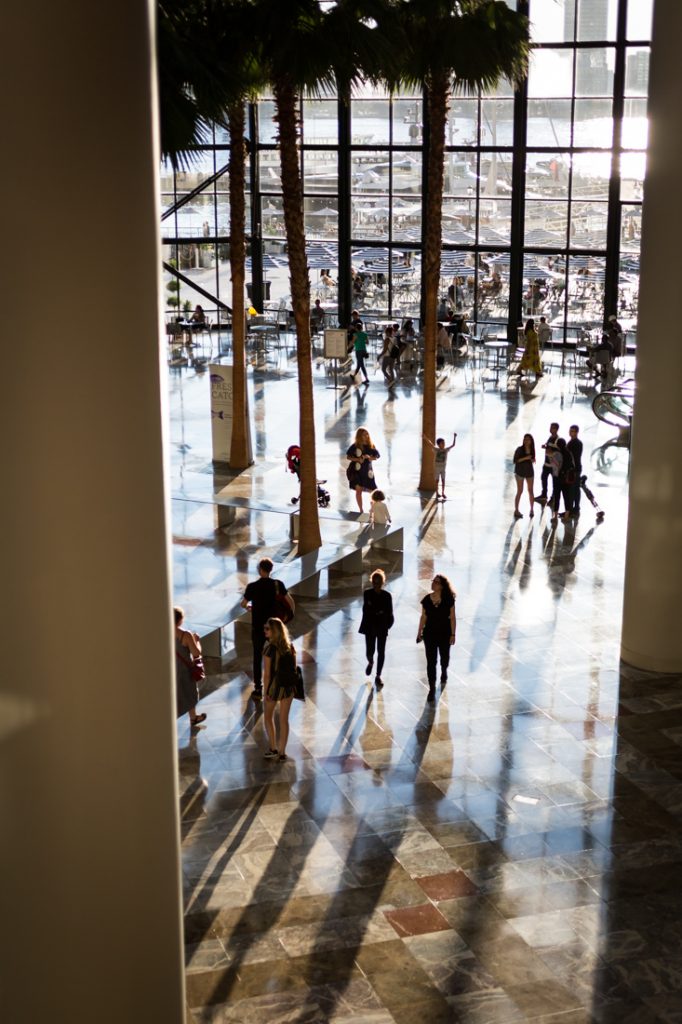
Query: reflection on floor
x,y
512,853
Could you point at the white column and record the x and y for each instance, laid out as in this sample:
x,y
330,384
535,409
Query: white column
x,y
652,633
90,896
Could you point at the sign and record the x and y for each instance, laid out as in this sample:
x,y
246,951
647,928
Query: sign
x,y
220,377
335,343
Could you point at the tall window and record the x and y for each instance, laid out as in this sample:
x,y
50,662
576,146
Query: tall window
x,y
542,189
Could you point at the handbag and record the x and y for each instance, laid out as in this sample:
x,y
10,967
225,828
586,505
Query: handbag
x,y
282,608
299,692
196,667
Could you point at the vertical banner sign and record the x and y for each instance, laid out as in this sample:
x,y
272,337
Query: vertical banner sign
x,y
220,377
221,411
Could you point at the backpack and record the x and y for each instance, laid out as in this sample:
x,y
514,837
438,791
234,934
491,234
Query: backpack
x,y
289,676
281,607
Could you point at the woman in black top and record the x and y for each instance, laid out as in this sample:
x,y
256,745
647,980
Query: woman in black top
x,y
377,619
360,473
437,627
524,462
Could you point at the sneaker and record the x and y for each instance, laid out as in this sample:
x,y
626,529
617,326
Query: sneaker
x,y
443,497
368,668
257,694
378,683
271,753
282,757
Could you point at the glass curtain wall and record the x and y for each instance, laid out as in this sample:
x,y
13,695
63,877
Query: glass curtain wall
x,y
542,191
195,224
584,163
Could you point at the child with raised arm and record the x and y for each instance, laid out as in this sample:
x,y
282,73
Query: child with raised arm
x,y
441,458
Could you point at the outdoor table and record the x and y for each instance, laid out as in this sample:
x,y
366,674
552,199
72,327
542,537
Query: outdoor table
x,y
497,348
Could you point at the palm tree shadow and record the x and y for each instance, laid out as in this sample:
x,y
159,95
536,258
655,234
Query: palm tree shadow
x,y
279,865
337,907
482,641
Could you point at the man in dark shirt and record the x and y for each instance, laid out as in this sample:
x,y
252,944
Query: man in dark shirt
x,y
259,597
575,447
550,447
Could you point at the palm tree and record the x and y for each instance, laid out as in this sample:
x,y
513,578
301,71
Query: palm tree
x,y
240,453
291,48
463,45
206,71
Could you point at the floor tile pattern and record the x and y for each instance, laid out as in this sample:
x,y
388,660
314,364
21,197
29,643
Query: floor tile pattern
x,y
512,852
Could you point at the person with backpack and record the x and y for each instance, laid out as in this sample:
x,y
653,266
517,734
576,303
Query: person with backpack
x,y
265,597
377,619
563,471
279,679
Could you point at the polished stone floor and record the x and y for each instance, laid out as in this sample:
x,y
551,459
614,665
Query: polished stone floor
x,y
512,853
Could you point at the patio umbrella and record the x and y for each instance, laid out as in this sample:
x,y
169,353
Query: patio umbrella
x,y
321,262
541,236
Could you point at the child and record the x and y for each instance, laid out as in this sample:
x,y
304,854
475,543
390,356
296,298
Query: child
x,y
441,462
378,513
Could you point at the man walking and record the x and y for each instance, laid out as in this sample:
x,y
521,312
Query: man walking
x,y
575,447
259,597
550,447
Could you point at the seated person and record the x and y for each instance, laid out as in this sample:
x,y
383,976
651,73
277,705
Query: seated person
x,y
544,332
198,317
443,345
601,357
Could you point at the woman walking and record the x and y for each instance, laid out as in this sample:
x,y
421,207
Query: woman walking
x,y
386,357
359,339
377,619
360,474
531,353
187,652
279,683
437,628
524,462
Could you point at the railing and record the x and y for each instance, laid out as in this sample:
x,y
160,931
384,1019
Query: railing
x,y
615,405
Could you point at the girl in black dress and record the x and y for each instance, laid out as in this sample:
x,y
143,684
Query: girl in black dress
x,y
524,462
377,619
437,627
277,644
361,455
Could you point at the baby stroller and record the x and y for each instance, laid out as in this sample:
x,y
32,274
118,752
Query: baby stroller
x,y
293,457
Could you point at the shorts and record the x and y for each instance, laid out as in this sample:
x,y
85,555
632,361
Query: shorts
x,y
440,474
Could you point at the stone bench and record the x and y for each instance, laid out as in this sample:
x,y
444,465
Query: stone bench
x,y
302,576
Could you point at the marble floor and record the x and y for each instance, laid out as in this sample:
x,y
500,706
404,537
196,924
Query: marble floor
x,y
511,853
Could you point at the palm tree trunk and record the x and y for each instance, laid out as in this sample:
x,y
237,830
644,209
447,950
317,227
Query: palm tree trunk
x,y
437,101
292,194
239,448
